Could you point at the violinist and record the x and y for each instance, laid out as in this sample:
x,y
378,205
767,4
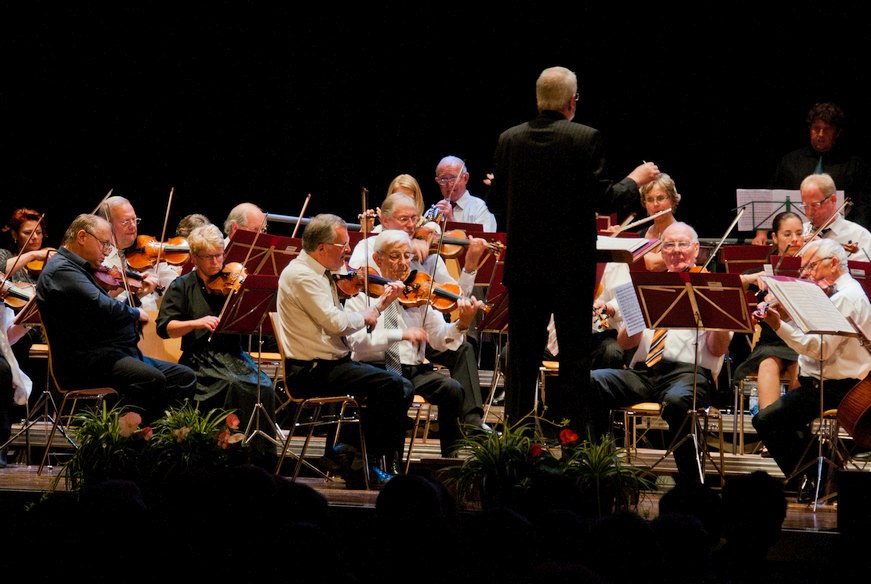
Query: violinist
x,y
246,216
458,204
22,263
771,357
227,377
313,328
664,372
94,338
125,230
819,203
26,230
406,185
415,328
400,212
784,426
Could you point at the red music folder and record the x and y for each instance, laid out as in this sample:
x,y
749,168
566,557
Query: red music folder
x,y
689,300
249,307
261,253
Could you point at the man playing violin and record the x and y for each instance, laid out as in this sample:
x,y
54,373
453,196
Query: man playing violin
x,y
400,213
227,377
416,328
125,231
313,329
458,204
819,203
784,426
94,338
669,377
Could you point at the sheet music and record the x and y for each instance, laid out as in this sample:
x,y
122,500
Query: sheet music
x,y
808,305
630,309
764,204
620,243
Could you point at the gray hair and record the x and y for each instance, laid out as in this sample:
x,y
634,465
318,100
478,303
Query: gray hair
x,y
823,181
389,238
554,88
828,248
321,229
84,221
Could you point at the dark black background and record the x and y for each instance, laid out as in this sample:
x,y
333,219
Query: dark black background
x,y
237,101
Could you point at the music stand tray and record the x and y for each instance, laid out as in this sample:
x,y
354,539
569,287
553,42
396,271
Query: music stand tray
x,y
696,301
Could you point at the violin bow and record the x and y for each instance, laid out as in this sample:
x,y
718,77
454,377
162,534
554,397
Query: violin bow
x,y
122,261
100,204
722,239
823,226
162,239
301,214
364,226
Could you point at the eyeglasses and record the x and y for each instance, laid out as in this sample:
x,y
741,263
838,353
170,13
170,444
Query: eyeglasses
x,y
577,96
128,222
814,206
659,199
211,258
107,245
407,218
395,257
341,245
681,245
444,180
810,266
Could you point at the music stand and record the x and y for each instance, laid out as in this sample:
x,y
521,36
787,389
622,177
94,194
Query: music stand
x,y
261,253
814,314
695,301
246,312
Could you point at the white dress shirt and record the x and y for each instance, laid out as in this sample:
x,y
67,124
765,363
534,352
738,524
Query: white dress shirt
x,y
842,357
679,346
469,209
845,231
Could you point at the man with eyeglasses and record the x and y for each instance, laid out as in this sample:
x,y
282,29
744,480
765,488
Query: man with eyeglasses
x,y
125,231
819,203
458,204
94,338
415,329
313,330
399,212
784,426
546,170
667,378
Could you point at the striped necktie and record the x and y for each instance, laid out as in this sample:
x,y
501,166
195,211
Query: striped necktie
x,y
391,356
657,346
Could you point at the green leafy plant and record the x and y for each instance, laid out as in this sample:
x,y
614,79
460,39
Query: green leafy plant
x,y
498,468
112,445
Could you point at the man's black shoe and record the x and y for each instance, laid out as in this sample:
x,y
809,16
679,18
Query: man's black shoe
x,y
339,459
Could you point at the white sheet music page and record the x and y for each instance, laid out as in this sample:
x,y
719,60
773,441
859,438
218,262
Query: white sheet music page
x,y
809,307
630,309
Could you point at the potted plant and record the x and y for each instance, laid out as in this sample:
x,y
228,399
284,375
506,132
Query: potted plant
x,y
112,445
499,467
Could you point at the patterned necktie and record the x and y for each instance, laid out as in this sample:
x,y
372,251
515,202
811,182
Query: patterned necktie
x,y
391,321
657,346
552,344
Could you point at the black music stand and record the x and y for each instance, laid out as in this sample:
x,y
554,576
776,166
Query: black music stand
x,y
814,314
261,253
246,313
695,301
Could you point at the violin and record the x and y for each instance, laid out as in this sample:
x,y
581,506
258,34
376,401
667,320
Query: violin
x,y
444,297
453,242
353,282
110,278
16,294
228,280
143,254
35,266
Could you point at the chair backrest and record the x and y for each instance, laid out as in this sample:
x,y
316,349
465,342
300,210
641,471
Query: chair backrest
x,y
276,328
61,389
